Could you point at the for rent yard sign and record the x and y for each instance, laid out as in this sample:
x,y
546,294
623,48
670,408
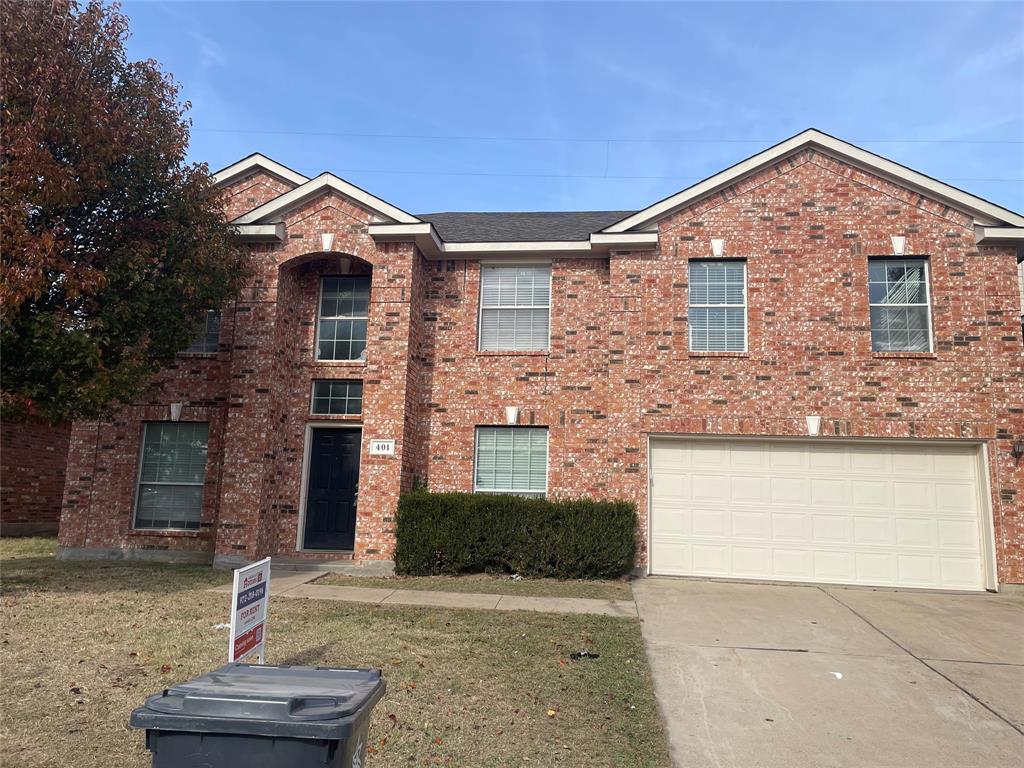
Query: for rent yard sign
x,y
249,600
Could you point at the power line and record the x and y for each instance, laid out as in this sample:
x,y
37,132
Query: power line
x,y
410,172
575,139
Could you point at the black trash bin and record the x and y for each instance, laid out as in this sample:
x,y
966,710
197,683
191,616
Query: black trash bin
x,y
262,716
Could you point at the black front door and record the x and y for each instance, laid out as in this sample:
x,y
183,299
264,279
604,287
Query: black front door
x,y
332,489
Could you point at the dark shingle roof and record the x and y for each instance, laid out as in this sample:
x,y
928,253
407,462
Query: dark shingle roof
x,y
532,226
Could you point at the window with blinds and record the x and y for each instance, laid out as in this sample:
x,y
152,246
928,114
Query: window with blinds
x,y
718,306
511,460
171,475
515,308
900,316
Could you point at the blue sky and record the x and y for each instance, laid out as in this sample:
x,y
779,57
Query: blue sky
x,y
544,106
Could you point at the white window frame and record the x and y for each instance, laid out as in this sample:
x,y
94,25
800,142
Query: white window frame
x,y
139,483
313,398
319,317
514,492
690,305
927,305
481,308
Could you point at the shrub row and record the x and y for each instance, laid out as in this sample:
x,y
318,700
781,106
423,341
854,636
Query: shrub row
x,y
452,533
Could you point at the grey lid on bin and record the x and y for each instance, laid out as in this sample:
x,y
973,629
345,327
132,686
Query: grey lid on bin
x,y
305,702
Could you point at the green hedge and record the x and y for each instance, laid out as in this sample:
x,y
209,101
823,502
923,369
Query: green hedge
x,y
455,533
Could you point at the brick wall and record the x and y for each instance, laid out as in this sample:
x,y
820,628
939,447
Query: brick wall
x,y
33,459
618,369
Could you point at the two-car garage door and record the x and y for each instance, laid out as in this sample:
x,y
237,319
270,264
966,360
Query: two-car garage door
x,y
849,512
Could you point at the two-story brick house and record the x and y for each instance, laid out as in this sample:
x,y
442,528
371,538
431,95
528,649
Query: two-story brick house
x,y
808,367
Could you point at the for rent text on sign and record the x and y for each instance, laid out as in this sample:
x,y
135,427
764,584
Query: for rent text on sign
x,y
249,600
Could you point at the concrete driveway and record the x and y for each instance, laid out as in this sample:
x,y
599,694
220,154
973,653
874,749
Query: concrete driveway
x,y
757,676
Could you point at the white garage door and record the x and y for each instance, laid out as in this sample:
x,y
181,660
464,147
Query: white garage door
x,y
879,514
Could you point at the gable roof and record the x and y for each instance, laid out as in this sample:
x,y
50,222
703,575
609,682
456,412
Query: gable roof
x,y
486,227
322,183
256,161
986,213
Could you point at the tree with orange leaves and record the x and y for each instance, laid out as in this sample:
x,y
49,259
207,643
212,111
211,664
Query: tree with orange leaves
x,y
113,246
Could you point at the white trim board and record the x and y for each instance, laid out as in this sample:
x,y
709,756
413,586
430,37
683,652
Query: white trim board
x,y
253,162
986,213
325,181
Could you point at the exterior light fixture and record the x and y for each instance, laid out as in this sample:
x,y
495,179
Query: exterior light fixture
x,y
717,247
327,241
899,245
511,414
176,411
813,425
1017,451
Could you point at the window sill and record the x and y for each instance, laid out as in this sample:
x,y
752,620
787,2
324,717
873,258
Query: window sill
x,y
341,363
513,352
904,355
199,355
700,355
163,533
346,417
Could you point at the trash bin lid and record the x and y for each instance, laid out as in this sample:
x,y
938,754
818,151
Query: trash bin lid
x,y
282,697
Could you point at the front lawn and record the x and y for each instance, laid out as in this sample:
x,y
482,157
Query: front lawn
x,y
491,585
81,644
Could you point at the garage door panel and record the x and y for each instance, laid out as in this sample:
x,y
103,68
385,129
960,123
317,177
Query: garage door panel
x,y
873,530
868,494
881,514
835,529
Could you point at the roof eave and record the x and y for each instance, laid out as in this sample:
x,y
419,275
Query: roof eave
x,y
254,162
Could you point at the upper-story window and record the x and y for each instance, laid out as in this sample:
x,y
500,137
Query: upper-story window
x,y
515,308
718,306
209,336
900,313
341,322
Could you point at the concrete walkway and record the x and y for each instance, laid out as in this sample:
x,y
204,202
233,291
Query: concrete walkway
x,y
780,676
297,585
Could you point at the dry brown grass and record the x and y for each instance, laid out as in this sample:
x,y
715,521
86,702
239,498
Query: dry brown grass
x,y
491,585
81,644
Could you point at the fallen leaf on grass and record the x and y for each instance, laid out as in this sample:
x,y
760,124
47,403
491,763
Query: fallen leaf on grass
x,y
552,712
165,668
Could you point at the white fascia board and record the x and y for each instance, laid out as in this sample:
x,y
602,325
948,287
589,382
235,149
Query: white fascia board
x,y
986,212
321,183
257,161
625,240
259,232
423,234
513,247
432,246
1001,236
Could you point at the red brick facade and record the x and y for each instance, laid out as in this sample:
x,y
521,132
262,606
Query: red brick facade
x,y
618,368
33,459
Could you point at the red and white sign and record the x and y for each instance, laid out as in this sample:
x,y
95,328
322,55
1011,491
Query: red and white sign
x,y
250,597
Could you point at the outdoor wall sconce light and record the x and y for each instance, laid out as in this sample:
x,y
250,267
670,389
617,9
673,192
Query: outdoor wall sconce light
x,y
1017,451
813,425
717,247
327,241
176,411
345,265
899,245
511,414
